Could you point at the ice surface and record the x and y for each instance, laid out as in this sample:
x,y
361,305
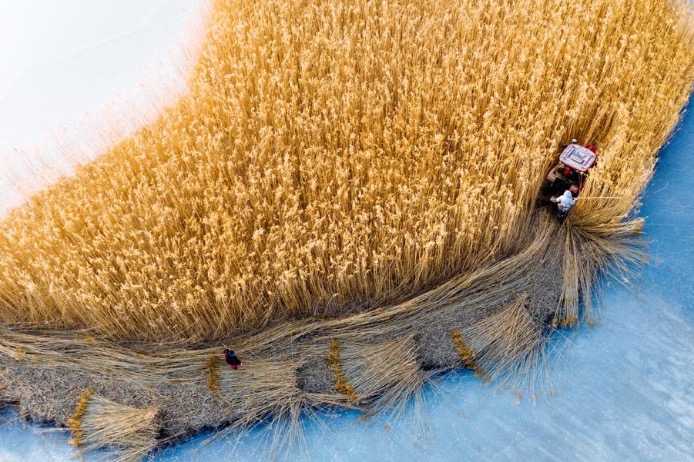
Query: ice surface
x,y
622,389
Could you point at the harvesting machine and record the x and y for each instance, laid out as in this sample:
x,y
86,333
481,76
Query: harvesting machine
x,y
569,174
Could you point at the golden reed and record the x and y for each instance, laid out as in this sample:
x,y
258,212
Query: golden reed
x,y
346,154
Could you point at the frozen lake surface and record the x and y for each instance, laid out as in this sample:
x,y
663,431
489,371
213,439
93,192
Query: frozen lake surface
x,y
622,389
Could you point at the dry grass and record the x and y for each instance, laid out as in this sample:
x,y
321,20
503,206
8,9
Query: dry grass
x,y
259,389
343,155
263,390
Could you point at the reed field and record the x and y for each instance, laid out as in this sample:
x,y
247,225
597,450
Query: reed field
x,y
333,157
347,197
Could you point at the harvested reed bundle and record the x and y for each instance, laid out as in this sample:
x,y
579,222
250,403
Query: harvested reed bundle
x,y
615,250
99,423
384,375
508,343
258,390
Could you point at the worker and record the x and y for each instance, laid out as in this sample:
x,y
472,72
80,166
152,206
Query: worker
x,y
564,202
232,360
573,141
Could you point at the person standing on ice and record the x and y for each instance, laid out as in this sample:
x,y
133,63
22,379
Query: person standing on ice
x,y
564,202
231,359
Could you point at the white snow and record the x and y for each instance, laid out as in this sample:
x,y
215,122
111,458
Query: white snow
x,y
77,74
622,390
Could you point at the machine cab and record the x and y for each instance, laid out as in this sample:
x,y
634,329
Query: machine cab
x,y
569,173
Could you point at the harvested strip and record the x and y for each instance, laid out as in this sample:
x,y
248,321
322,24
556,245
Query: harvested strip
x,y
267,388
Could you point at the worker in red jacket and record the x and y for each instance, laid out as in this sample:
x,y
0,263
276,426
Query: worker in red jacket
x,y
231,359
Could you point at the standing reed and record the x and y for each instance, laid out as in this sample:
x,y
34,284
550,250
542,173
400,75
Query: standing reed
x,y
341,155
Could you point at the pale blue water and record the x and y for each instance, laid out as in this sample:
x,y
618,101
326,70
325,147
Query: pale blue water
x,y
623,389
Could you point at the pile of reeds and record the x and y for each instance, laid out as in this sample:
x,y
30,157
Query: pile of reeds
x,y
385,375
334,156
99,423
258,389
